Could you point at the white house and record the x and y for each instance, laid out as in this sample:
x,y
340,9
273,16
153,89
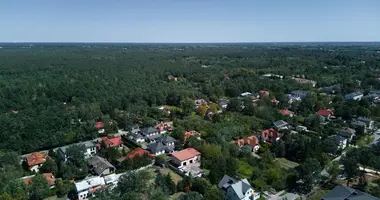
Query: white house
x,y
237,189
186,157
90,149
87,187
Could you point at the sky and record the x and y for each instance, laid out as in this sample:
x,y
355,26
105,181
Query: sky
x,y
186,21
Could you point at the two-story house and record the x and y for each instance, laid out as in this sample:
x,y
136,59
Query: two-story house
x,y
89,149
347,133
35,160
148,134
110,142
356,96
370,124
163,145
252,142
89,186
237,189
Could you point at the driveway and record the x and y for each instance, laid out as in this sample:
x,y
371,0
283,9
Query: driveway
x,y
281,196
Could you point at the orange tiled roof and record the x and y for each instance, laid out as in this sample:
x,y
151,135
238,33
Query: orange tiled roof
x,y
286,112
111,142
269,135
36,158
138,152
49,177
165,126
250,140
189,134
186,154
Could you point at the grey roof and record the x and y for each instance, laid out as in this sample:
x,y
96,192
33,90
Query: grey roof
x,y
358,123
352,95
87,144
280,123
100,164
226,182
149,130
299,93
138,136
364,119
341,192
346,132
337,139
240,187
161,144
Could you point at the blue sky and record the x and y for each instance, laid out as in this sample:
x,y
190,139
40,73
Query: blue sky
x,y
189,20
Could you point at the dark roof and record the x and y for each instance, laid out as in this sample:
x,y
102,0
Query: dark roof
x,y
149,130
100,164
161,144
280,123
226,182
341,192
365,119
358,123
337,139
346,132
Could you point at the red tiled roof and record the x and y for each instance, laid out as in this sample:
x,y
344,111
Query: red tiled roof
x,y
266,92
325,112
165,126
269,135
185,154
111,142
286,112
36,158
189,134
137,152
250,140
49,177
275,101
99,125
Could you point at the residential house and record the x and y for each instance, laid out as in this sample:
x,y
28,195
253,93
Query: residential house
x,y
264,92
252,142
89,146
189,134
340,142
223,103
100,166
273,75
163,145
49,177
347,133
148,134
305,81
359,126
311,118
368,121
326,113
301,128
356,96
269,135
332,89
341,192
164,127
35,160
89,186
237,189
200,102
110,142
246,94
275,101
138,152
286,112
281,124
100,126
297,95
188,162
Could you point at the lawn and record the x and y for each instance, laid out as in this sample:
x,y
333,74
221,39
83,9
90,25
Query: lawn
x,y
287,164
174,108
176,196
245,170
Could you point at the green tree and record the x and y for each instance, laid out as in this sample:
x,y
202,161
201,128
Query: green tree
x,y
63,187
39,188
192,196
50,166
214,193
333,170
187,106
309,174
351,168
113,154
200,185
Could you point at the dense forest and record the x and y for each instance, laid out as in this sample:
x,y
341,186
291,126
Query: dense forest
x,y
54,94
46,89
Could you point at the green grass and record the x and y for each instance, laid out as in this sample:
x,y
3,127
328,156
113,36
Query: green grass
x,y
174,108
287,164
245,170
175,196
175,177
